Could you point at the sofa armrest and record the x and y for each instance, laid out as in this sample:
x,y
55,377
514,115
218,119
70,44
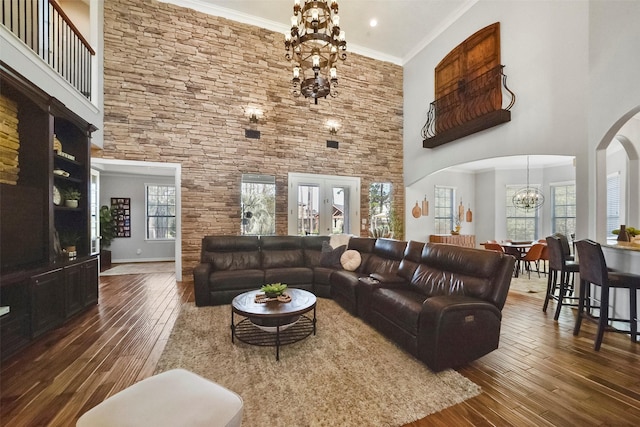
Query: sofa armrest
x,y
201,274
388,279
454,330
366,287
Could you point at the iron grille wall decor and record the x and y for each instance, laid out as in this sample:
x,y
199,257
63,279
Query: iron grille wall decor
x,y
468,89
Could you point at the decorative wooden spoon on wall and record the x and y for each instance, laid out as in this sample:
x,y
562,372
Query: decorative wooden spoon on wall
x,y
416,211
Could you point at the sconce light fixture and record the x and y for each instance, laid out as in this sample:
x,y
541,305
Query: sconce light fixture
x,y
333,126
254,114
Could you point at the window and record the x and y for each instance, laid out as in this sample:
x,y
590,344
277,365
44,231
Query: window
x,y
380,208
521,224
563,197
443,209
613,203
258,205
161,211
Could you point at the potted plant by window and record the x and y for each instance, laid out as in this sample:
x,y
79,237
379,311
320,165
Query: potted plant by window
x,y
71,197
107,234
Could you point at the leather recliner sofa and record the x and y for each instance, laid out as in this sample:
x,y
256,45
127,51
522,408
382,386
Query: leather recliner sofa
x,y
441,303
231,265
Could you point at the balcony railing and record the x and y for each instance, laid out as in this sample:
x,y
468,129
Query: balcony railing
x,y
46,29
473,106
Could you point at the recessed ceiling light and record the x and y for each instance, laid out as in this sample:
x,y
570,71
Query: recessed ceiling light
x,y
373,22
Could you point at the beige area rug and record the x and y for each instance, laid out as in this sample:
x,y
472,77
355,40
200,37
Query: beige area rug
x,y
141,268
346,375
534,286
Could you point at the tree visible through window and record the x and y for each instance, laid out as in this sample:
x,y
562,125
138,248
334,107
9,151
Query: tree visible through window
x,y
564,209
258,205
521,224
380,208
161,212
443,209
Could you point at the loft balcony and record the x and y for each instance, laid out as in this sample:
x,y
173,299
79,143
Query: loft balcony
x,y
473,106
45,28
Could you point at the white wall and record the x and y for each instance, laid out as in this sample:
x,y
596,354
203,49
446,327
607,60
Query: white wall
x,y
573,67
125,249
465,189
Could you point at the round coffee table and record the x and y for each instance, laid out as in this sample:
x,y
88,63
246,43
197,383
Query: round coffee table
x,y
273,323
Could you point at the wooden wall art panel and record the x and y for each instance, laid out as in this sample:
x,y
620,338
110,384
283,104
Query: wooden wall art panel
x,y
468,90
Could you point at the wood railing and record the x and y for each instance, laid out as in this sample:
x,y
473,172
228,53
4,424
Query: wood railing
x,y
47,30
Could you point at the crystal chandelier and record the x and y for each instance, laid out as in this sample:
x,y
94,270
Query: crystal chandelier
x,y
314,45
529,197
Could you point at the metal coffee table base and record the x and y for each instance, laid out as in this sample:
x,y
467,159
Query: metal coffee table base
x,y
249,333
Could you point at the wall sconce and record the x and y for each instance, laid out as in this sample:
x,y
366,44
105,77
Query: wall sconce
x,y
254,114
333,126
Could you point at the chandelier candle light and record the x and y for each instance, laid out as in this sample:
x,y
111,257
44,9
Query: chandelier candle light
x,y
314,45
529,197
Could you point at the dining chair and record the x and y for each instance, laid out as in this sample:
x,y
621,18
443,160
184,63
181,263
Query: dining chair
x,y
533,255
492,246
560,278
594,271
544,256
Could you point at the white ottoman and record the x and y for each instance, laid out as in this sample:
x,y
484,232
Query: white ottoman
x,y
174,398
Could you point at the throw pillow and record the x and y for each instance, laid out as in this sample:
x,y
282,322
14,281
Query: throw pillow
x,y
350,260
330,257
336,240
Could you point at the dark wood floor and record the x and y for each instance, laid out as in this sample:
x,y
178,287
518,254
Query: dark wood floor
x,y
540,375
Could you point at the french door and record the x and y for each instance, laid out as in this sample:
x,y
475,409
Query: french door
x,y
323,204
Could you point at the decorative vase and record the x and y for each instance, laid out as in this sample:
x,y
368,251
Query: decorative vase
x,y
623,236
71,203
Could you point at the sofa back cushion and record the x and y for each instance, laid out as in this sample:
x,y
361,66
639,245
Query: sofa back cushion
x,y
386,256
313,249
231,252
454,270
411,259
281,251
364,245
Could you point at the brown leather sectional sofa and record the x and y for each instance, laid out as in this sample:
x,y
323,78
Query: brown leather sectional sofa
x,y
441,303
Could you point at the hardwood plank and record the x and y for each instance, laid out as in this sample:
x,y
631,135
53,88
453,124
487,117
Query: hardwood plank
x,y
541,375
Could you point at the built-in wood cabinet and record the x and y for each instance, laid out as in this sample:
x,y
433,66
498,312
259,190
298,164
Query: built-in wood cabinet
x,y
44,153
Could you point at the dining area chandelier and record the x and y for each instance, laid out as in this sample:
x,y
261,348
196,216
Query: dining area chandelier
x,y
528,198
314,45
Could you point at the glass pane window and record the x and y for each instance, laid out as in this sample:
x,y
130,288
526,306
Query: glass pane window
x,y
258,205
161,212
564,209
308,209
522,224
613,204
443,209
380,197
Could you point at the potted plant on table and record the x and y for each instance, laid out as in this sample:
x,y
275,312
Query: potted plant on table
x,y
273,290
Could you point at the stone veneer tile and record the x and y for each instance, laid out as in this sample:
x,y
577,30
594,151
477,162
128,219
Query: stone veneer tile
x,y
176,82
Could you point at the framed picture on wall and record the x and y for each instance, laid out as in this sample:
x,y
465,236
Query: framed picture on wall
x,y
121,208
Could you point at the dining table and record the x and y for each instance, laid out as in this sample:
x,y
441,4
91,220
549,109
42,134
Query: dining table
x,y
517,249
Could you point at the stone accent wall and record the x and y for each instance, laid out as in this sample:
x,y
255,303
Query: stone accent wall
x,y
176,82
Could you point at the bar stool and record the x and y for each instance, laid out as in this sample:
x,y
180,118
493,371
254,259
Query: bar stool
x,y
593,270
560,277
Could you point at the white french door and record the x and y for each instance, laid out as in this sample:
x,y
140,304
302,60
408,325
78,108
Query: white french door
x,y
323,204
